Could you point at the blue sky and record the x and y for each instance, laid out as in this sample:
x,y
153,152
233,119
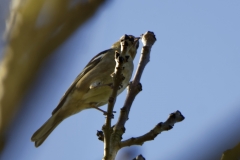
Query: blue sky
x,y
194,68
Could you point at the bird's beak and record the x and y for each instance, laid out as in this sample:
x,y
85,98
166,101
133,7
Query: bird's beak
x,y
136,39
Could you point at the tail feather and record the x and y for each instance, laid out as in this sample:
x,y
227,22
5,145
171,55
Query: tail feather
x,y
42,133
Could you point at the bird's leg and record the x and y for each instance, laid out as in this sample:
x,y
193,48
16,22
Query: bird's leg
x,y
104,112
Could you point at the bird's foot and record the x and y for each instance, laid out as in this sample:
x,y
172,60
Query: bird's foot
x,y
105,112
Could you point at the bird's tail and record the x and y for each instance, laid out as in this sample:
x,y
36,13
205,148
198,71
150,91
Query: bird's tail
x,y
42,133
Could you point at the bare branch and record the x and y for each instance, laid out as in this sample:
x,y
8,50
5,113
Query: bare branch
x,y
148,39
162,126
135,87
117,80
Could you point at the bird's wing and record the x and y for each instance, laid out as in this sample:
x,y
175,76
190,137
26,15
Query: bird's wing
x,y
93,62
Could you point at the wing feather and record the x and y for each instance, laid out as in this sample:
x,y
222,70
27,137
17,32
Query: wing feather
x,y
93,62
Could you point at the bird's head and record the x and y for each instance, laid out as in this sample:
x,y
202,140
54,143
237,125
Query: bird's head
x,y
131,41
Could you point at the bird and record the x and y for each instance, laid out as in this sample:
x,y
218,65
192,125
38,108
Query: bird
x,y
92,87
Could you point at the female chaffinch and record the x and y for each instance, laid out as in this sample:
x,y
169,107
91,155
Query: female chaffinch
x,y
92,87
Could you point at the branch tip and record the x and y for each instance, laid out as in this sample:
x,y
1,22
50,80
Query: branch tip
x,y
158,129
148,38
177,116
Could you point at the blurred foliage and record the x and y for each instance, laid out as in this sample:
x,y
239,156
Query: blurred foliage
x,y
34,29
232,154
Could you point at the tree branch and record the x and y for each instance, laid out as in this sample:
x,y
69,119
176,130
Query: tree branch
x,y
135,86
117,80
162,126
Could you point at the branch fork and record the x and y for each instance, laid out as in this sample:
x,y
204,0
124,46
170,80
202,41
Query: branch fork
x,y
112,136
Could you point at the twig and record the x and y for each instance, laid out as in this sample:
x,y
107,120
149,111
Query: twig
x,y
107,127
117,80
135,86
162,126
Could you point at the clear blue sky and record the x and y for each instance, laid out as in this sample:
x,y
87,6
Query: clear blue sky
x,y
194,68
